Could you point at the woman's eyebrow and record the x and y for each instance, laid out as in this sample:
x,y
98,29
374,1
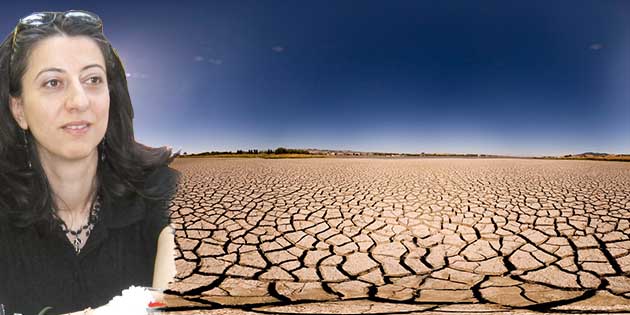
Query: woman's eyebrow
x,y
62,71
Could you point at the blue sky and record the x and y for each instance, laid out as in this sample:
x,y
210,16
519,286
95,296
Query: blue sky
x,y
497,77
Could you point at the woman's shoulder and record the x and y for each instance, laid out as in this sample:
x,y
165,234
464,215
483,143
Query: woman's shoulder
x,y
162,181
7,230
160,186
4,221
161,173
150,201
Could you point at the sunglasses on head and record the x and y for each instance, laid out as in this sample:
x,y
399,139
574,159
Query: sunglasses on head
x,y
38,19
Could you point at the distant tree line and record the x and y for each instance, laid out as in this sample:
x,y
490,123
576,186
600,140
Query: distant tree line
x,y
282,150
279,150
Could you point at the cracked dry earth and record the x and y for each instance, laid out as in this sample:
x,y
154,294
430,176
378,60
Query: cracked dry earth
x,y
401,235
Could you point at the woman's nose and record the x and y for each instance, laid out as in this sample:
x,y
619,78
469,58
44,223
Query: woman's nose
x,y
77,97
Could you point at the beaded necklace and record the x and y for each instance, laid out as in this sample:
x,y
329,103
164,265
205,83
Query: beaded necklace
x,y
75,236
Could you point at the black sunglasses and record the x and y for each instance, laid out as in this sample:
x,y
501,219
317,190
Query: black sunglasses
x,y
38,19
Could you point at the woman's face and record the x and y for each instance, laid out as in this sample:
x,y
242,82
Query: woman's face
x,y
65,83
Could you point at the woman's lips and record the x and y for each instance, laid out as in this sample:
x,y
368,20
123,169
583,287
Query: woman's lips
x,y
77,130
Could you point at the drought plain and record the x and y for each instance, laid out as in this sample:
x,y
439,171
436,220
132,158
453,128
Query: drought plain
x,y
406,236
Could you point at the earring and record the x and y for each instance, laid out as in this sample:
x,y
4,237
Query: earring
x,y
28,156
103,151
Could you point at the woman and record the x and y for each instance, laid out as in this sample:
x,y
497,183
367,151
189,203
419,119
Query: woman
x,y
83,206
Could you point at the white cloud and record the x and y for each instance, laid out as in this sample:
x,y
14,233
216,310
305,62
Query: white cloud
x,y
596,46
215,61
277,49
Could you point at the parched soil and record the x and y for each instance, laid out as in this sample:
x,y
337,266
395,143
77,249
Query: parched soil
x,y
420,234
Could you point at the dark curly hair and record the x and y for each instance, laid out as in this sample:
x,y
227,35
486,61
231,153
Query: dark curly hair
x,y
25,193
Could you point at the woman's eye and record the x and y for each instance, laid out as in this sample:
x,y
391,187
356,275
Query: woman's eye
x,y
95,80
52,83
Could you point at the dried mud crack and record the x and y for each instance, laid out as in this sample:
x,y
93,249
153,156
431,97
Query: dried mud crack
x,y
504,234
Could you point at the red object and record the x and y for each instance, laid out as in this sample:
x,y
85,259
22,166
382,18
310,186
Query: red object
x,y
156,304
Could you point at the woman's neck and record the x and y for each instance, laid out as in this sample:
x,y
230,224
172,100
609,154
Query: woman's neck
x,y
73,182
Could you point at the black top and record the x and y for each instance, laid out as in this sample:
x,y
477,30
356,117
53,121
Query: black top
x,y
40,268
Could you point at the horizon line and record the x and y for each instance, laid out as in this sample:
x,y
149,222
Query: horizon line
x,y
403,153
